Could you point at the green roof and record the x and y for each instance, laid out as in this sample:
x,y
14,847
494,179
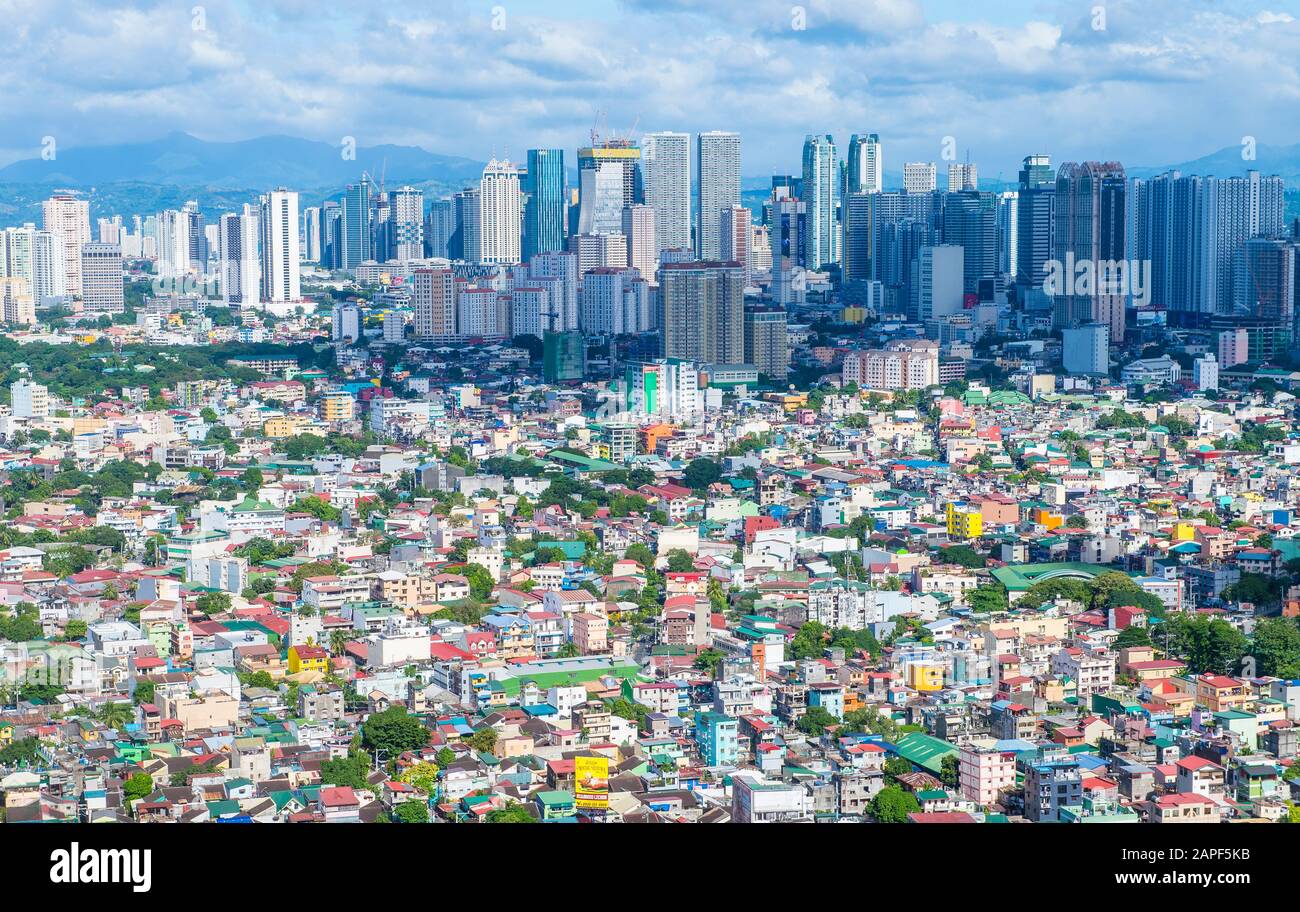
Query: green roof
x,y
924,750
1019,577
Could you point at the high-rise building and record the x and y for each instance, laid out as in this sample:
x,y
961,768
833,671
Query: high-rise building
x,y
1090,230
280,263
1008,209
406,224
717,167
173,244
970,221
789,217
766,346
866,164
68,219
16,305
35,256
1035,220
1205,372
564,357
940,281
559,274
920,177
101,279
962,177
237,254
615,302
1085,349
481,313
346,322
702,312
737,240
433,303
440,225
357,230
29,399
595,251
639,232
666,174
311,234
465,243
499,215
820,196
544,210
1234,347
858,245
609,178
1264,296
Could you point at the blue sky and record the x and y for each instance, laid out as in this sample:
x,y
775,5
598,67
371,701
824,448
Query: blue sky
x,y
1161,82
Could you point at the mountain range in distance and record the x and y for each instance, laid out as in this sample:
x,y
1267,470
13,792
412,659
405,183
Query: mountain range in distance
x,y
130,178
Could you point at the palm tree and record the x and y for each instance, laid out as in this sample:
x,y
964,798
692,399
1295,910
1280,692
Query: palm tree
x,y
338,641
116,715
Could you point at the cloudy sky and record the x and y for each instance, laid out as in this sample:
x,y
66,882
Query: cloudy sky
x,y
1147,82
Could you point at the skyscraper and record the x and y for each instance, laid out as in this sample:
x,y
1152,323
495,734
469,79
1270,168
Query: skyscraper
x,y
666,174
406,229
639,230
962,177
970,221
173,244
1035,207
281,270
1008,203
433,303
738,239
866,164
240,273
101,279
358,237
499,220
609,178
440,225
821,246
717,164
702,307
544,210
1090,229
920,177
68,218
311,233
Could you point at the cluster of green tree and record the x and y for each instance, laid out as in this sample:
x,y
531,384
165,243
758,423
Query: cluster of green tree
x,y
22,624
1121,420
260,550
393,732
20,752
1111,589
305,446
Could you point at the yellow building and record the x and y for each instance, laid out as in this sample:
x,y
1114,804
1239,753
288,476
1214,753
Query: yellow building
x,y
964,522
308,658
925,676
1047,519
337,406
1184,531
284,426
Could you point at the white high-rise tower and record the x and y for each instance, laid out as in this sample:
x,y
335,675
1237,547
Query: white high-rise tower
x,y
500,218
717,162
281,270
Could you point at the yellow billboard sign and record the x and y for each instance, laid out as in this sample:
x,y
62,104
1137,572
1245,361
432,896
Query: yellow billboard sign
x,y
591,782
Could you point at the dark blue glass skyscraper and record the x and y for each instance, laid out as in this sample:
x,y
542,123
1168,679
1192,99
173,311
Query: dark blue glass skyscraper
x,y
544,211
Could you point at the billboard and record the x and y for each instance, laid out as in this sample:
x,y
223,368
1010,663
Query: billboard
x,y
591,782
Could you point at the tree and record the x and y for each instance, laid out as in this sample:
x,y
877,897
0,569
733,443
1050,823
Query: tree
x,y
679,561
480,581
809,642
411,812
1133,635
393,731
138,786
701,473
116,715
641,554
815,720
514,812
251,479
144,692
892,805
484,740
962,555
949,768
348,771
708,660
1277,647
211,603
1076,521
988,598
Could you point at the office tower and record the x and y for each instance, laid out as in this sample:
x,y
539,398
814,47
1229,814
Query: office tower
x,y
615,302
1008,207
789,216
1035,220
597,250
962,177
761,250
358,237
481,313
331,234
311,234
564,357
559,274
29,399
1245,207
440,225
346,322
702,312
433,303
237,253
858,245
821,199
198,237
1085,349
101,279
173,244
666,174
1205,372
639,231
499,217
866,165
970,221
381,227
940,281
717,167
544,210
1264,294
68,218
406,205
16,305
601,205
766,346
920,177
281,269
1089,229
737,240
464,243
